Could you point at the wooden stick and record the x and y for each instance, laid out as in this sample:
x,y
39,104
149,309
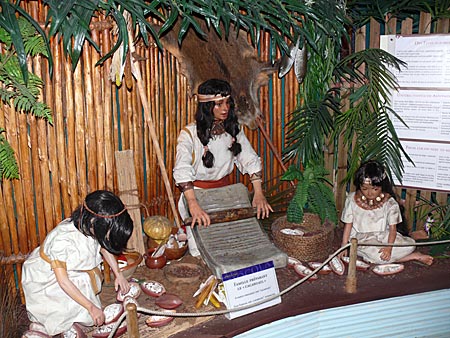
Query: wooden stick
x,y
350,283
271,145
205,293
153,135
228,215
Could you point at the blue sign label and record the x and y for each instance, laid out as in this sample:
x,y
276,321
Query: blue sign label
x,y
247,271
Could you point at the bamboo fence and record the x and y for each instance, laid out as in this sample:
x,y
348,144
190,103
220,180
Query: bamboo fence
x,y
60,163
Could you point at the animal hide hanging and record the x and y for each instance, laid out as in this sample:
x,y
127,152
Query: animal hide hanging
x,y
232,59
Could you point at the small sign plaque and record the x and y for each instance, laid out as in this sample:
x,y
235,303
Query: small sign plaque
x,y
251,285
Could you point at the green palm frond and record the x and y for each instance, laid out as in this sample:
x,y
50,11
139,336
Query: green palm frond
x,y
368,118
308,128
18,89
8,164
20,31
23,96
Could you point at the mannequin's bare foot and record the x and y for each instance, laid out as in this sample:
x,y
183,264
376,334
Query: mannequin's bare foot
x,y
425,259
418,256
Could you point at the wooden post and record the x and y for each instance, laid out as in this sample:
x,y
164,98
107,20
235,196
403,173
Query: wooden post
x,y
350,283
132,322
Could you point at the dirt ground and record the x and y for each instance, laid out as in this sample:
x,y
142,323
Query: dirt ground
x,y
325,292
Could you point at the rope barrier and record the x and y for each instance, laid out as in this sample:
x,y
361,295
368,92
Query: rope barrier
x,y
297,283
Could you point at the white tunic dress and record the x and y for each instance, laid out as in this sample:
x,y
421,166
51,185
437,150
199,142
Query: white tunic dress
x,y
46,302
372,226
189,166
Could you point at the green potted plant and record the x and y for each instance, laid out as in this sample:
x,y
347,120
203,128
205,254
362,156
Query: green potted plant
x,y
306,232
313,194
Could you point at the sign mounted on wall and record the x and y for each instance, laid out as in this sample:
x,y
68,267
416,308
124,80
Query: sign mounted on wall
x,y
422,101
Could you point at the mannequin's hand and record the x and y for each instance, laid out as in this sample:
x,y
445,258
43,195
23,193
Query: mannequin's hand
x,y
263,207
385,253
199,215
97,315
121,283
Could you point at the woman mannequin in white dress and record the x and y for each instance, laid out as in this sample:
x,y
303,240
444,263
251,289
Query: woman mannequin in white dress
x,y
61,279
208,150
371,214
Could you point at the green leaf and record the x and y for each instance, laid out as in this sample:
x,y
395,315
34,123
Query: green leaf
x,y
9,22
8,164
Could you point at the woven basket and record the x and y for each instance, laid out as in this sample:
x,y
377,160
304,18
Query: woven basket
x,y
315,244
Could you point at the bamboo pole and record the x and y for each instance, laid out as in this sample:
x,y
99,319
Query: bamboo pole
x,y
108,109
59,111
71,165
129,118
374,34
351,281
407,26
13,188
149,120
54,173
442,25
21,191
27,216
45,194
99,111
391,26
80,130
424,23
4,225
90,113
146,52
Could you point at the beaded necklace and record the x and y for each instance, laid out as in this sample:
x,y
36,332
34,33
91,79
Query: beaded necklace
x,y
369,204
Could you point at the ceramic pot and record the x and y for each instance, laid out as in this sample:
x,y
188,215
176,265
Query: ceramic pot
x,y
154,262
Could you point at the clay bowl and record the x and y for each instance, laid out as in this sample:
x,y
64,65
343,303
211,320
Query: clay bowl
x,y
154,262
172,253
133,259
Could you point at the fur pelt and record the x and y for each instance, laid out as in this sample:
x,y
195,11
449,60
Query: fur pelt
x,y
232,59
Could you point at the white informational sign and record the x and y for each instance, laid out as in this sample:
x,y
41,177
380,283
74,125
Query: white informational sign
x,y
432,170
422,101
427,58
249,286
426,114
